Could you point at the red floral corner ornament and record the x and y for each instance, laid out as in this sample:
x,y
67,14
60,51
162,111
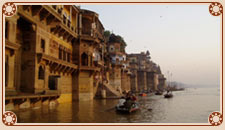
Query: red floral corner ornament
x,y
216,9
215,118
9,9
9,118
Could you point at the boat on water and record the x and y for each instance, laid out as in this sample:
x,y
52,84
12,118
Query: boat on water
x,y
143,94
122,109
168,95
158,93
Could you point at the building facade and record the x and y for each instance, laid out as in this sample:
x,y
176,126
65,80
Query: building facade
x,y
53,50
59,53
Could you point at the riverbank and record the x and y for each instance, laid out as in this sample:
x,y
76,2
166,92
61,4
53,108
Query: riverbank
x,y
189,106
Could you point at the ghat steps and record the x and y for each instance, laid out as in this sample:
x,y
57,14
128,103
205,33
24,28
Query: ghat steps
x,y
111,91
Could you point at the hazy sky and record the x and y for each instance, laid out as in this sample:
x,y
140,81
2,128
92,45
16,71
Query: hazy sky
x,y
182,39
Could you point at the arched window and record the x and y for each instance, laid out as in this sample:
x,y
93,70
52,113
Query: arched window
x,y
41,73
84,59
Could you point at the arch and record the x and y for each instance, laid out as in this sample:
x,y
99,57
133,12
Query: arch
x,y
41,73
84,59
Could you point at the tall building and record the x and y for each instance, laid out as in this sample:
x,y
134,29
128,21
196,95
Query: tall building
x,y
55,50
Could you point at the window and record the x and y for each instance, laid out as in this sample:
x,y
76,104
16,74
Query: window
x,y
111,48
69,18
84,59
52,82
60,53
41,73
6,29
64,18
69,21
68,57
64,55
43,45
6,70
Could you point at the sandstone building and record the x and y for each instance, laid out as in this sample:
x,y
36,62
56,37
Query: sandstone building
x,y
54,50
59,53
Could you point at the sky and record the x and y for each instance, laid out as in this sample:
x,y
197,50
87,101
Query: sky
x,y
183,39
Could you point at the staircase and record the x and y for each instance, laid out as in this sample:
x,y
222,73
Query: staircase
x,y
111,91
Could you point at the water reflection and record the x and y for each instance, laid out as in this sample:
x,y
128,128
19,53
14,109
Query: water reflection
x,y
189,106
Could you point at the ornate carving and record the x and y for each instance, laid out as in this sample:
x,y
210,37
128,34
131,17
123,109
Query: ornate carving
x,y
9,118
215,9
215,118
9,9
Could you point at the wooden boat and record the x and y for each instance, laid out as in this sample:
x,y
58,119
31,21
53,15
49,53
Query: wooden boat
x,y
123,109
143,94
158,93
170,95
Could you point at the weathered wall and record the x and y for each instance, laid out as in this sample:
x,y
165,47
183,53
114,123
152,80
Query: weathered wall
x,y
65,88
142,84
125,82
150,81
162,84
115,78
156,81
27,39
75,86
85,86
10,88
133,81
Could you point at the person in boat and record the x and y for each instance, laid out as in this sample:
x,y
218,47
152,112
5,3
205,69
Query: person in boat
x,y
121,102
168,91
133,98
130,100
128,103
128,94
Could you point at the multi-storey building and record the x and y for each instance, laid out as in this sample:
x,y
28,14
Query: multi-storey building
x,y
138,65
117,60
58,53
53,50
89,54
145,73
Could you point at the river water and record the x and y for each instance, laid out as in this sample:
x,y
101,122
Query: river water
x,y
193,105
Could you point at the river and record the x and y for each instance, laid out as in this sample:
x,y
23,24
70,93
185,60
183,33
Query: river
x,y
193,105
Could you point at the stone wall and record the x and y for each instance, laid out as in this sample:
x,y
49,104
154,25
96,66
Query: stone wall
x,y
27,39
125,82
10,89
65,88
142,83
115,78
150,81
85,86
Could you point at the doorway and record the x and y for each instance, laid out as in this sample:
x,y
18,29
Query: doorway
x,y
53,82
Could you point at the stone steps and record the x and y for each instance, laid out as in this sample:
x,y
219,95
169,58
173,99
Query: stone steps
x,y
112,90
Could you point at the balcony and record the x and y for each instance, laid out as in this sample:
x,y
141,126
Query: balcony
x,y
57,64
